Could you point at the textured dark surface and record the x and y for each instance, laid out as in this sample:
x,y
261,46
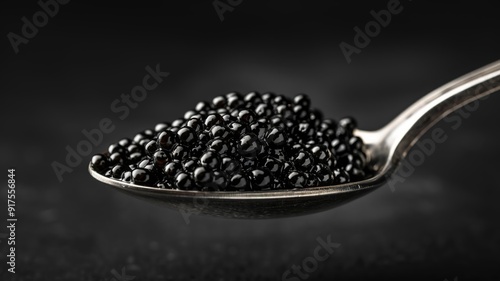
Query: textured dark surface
x,y
442,222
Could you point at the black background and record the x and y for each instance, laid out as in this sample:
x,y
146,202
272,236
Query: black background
x,y
440,223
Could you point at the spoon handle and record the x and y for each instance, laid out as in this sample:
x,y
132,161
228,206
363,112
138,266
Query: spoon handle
x,y
405,130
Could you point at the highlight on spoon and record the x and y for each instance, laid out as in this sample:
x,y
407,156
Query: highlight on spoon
x,y
245,143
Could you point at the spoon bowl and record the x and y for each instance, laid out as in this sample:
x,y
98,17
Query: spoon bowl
x,y
385,148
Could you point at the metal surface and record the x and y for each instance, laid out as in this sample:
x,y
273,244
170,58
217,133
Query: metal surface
x,y
386,148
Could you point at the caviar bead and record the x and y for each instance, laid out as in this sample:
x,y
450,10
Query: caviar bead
x,y
180,152
303,161
261,178
202,176
99,163
151,147
172,168
161,158
203,106
167,139
231,165
195,124
276,137
211,160
183,181
141,176
125,142
219,102
160,127
296,179
221,132
240,182
246,116
302,100
248,145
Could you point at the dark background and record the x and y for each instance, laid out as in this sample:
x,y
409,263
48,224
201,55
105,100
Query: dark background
x,y
442,222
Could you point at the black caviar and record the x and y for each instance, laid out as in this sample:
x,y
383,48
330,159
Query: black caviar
x,y
240,143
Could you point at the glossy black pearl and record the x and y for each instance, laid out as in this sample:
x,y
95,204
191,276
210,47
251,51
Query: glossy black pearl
x,y
115,148
141,176
213,119
276,137
321,153
339,147
183,181
203,106
300,112
240,182
143,163
189,114
356,143
99,163
328,126
348,123
267,97
160,127
324,175
220,146
125,142
261,178
230,165
220,181
180,152
134,148
246,116
296,179
167,139
178,122
202,176
285,111
305,130
303,161
234,102
211,160
126,176
204,137
186,136
160,158
238,128
151,147
277,121
172,168
190,164
302,99
248,145
220,132
195,124
340,176
219,102
253,98
117,171
117,159
264,110
135,157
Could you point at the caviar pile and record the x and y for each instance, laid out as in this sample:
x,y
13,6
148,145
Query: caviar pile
x,y
240,143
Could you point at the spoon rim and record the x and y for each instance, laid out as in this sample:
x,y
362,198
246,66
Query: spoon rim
x,y
376,180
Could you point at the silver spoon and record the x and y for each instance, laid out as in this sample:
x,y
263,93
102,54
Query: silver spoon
x,y
386,148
